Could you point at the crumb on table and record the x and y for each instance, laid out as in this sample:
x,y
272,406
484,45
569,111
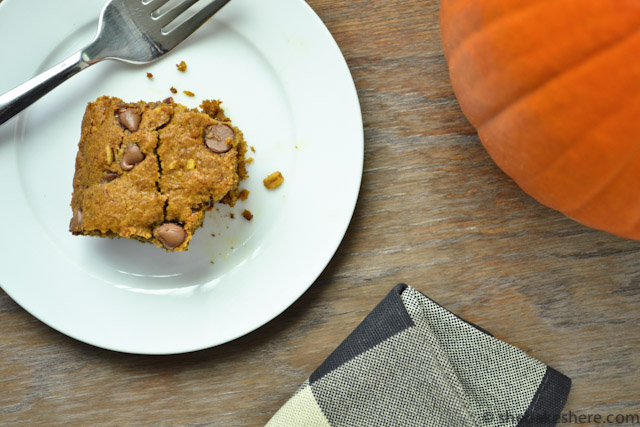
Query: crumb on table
x,y
188,93
247,215
173,90
149,75
273,181
182,66
244,194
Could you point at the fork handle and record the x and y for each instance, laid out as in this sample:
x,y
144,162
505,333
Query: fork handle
x,y
20,97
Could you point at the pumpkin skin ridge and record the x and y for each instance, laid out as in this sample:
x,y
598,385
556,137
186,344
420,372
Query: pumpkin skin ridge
x,y
560,197
567,71
495,21
485,64
623,229
602,188
582,139
570,142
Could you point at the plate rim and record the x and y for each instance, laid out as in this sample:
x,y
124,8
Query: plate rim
x,y
316,274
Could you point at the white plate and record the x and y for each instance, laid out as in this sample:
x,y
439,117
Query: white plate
x,y
283,81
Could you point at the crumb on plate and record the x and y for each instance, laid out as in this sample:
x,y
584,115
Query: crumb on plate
x,y
273,181
247,215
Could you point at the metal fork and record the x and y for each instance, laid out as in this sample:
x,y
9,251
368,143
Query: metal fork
x,y
128,30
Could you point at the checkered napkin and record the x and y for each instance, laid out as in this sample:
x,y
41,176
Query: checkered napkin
x,y
411,362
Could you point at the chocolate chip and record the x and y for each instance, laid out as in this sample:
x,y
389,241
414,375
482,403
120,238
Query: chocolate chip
x,y
218,138
129,117
76,220
131,157
109,176
171,235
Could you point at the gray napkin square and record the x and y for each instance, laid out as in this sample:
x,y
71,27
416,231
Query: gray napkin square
x,y
411,362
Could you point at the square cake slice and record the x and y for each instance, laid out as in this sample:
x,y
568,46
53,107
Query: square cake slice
x,y
150,171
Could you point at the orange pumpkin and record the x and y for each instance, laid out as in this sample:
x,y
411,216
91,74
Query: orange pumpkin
x,y
553,89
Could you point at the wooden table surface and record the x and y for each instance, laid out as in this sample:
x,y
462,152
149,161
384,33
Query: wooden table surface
x,y
434,212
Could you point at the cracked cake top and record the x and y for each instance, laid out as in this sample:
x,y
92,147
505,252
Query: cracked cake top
x,y
149,171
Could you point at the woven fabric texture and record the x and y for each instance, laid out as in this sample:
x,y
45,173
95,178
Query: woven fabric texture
x,y
411,362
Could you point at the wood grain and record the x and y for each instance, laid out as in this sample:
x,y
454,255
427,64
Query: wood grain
x,y
433,212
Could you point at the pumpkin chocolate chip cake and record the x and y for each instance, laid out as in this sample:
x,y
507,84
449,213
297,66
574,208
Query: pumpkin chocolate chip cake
x,y
150,171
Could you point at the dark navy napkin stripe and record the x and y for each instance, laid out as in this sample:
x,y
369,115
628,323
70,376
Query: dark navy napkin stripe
x,y
546,405
391,371
388,318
